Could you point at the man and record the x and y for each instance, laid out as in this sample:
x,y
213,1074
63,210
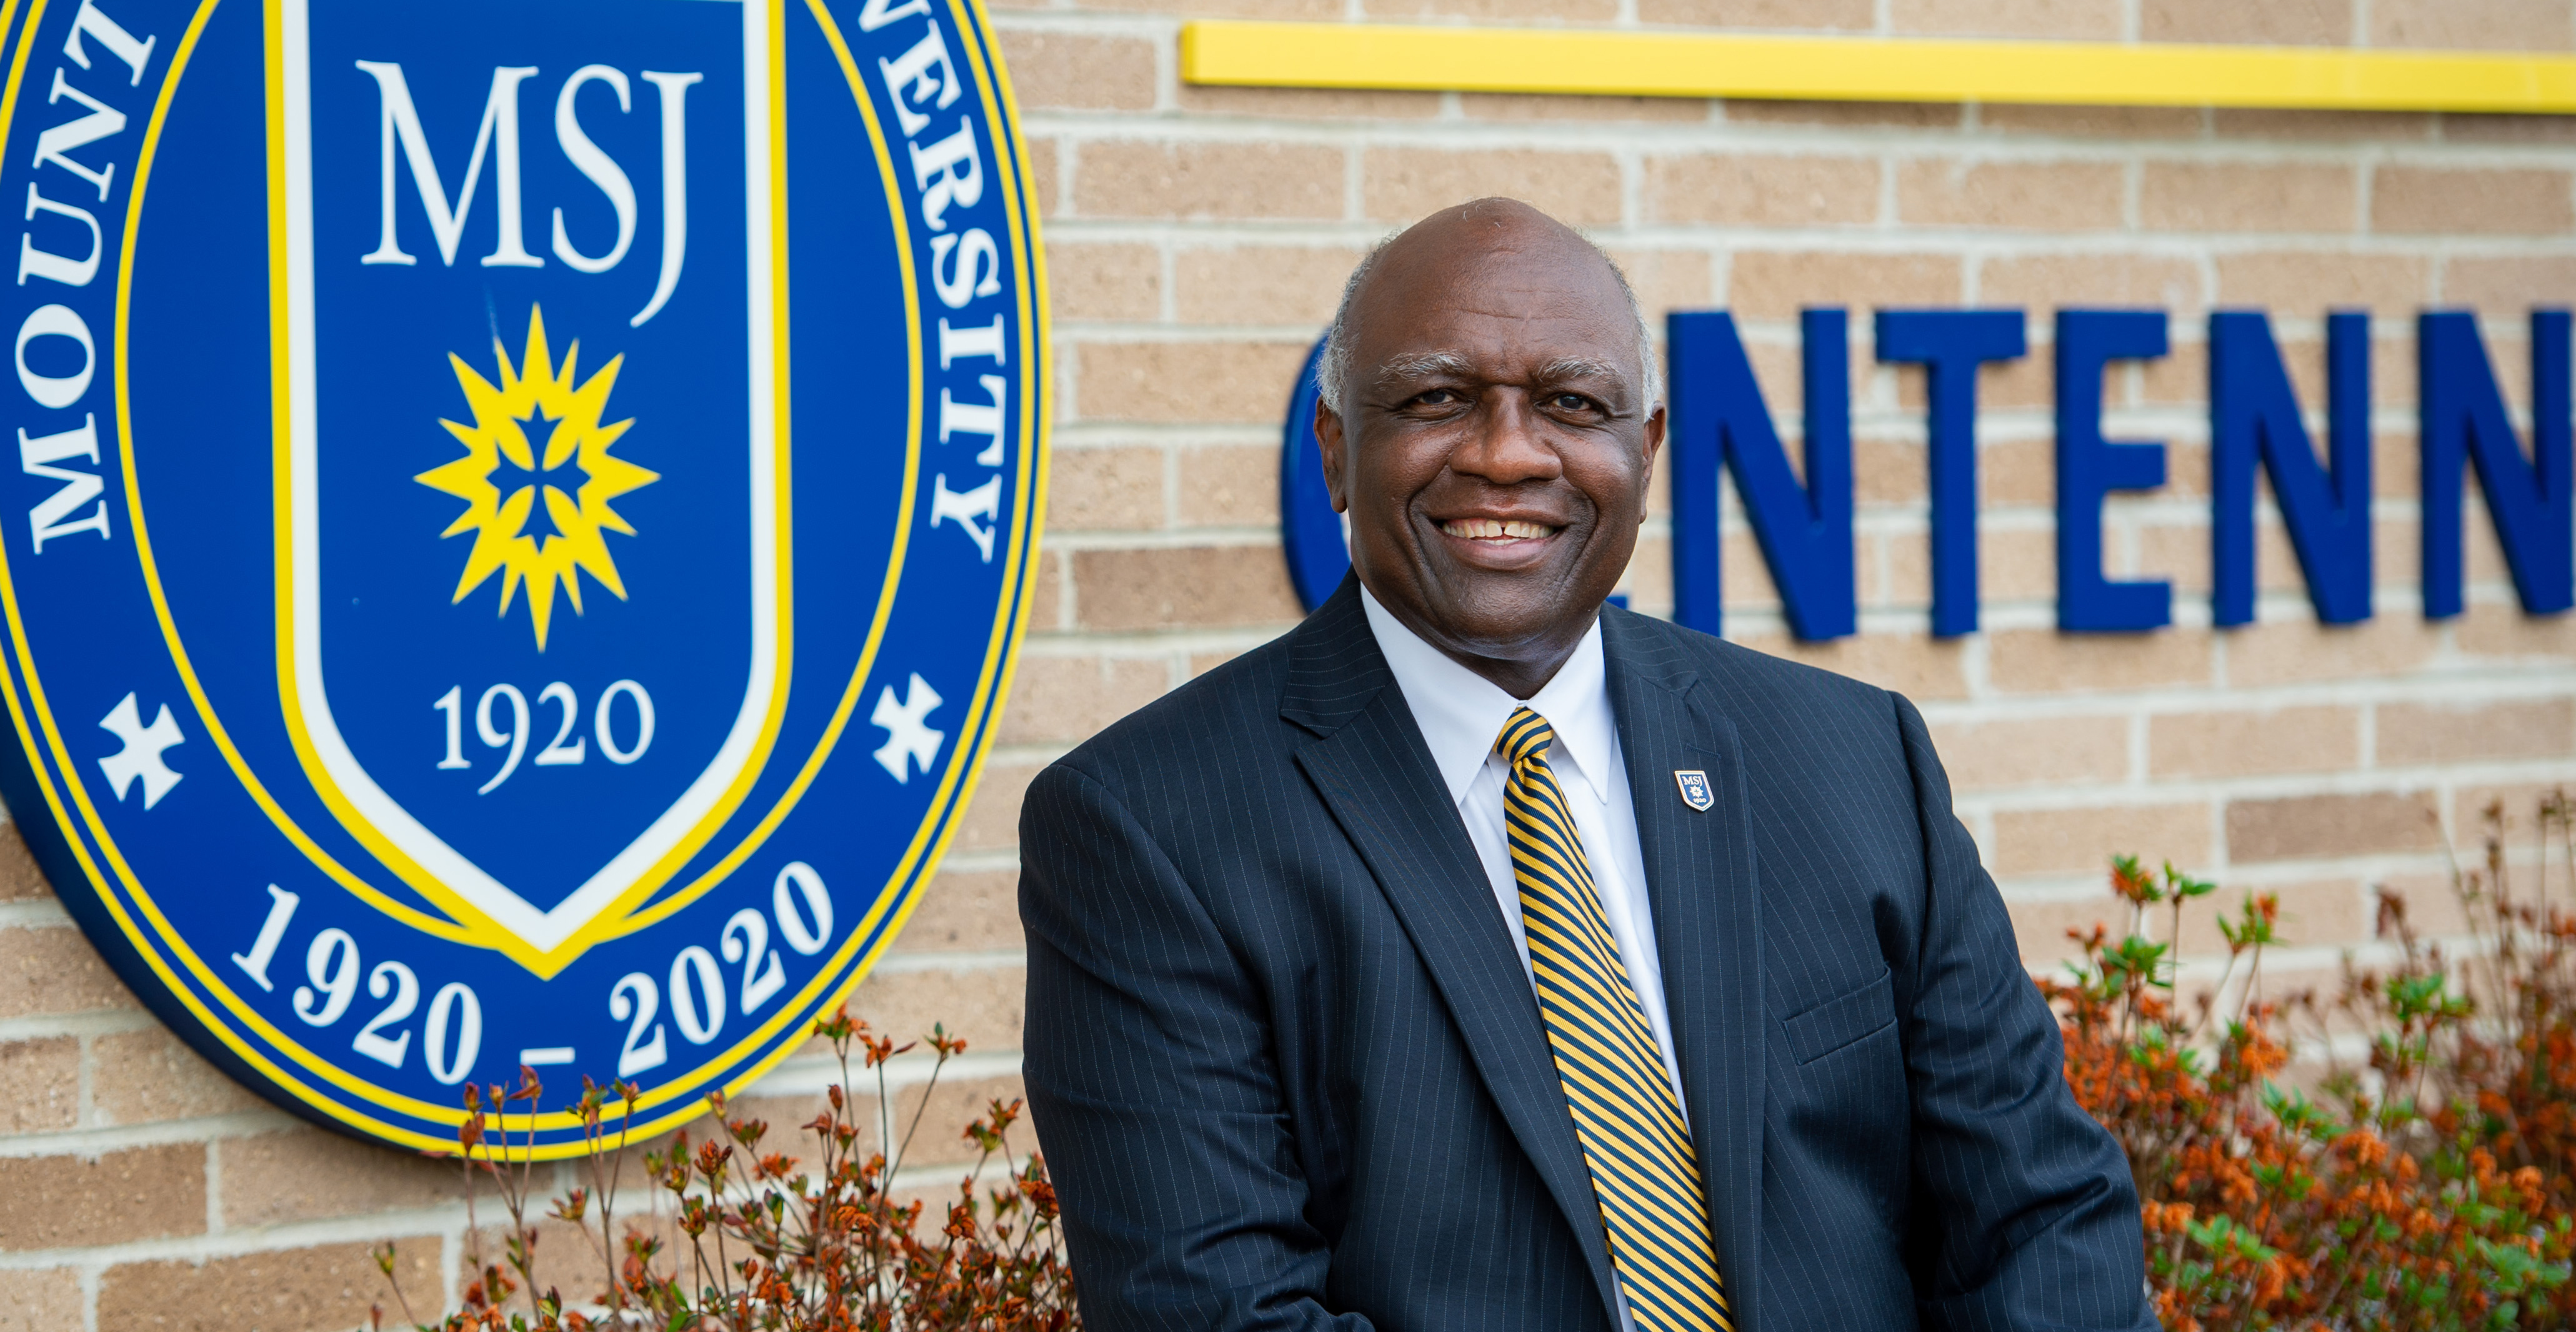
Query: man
x,y
1475,956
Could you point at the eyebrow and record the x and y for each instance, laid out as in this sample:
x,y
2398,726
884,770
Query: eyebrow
x,y
1423,366
1579,367
1428,364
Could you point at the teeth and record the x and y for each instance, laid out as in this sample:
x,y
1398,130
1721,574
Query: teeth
x,y
1489,529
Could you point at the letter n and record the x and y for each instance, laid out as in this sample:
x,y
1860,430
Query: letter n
x,y
2464,424
1805,530
2254,418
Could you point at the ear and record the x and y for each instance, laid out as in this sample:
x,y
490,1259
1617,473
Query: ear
x,y
1654,444
1328,432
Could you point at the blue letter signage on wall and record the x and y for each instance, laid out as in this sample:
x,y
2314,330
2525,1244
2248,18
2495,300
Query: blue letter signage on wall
x,y
2253,414
1318,555
1805,529
2090,467
1952,346
2465,424
526,509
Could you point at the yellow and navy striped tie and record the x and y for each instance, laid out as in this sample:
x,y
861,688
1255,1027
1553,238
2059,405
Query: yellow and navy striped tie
x,y
1644,1174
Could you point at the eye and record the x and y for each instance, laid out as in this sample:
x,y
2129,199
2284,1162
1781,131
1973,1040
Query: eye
x,y
1439,397
1573,402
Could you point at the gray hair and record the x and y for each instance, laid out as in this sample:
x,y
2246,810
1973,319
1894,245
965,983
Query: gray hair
x,y
1333,371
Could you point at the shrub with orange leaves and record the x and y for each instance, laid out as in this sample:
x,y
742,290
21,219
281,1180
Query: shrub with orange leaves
x,y
2428,1187
738,1239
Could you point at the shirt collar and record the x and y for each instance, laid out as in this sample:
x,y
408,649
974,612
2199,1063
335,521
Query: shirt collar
x,y
1460,712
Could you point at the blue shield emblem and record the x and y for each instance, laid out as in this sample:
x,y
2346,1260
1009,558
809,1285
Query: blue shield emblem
x,y
580,410
525,519
1694,787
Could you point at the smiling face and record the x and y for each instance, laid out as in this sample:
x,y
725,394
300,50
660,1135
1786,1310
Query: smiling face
x,y
1493,443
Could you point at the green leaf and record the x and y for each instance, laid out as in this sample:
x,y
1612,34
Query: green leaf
x,y
2179,884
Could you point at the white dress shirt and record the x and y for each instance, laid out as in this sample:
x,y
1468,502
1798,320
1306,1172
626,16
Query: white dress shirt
x,y
1462,713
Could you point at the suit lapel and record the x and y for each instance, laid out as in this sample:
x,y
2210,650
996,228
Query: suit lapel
x,y
1373,771
1701,885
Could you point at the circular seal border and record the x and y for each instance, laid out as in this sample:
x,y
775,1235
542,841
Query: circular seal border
x,y
117,911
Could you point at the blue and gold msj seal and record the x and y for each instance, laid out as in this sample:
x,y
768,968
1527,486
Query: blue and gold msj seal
x,y
524,513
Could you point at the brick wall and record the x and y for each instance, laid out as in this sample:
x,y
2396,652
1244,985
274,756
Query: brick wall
x,y
1197,238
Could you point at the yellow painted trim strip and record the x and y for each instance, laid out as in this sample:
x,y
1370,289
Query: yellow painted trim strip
x,y
1851,69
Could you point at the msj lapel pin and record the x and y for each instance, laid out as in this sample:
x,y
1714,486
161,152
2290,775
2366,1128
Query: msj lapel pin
x,y
1694,784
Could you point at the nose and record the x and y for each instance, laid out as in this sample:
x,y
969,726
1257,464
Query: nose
x,y
1508,445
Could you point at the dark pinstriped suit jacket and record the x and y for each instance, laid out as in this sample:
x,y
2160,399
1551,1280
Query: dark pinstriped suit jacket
x,y
1288,1072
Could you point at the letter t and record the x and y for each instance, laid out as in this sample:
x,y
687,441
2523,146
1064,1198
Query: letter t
x,y
1951,345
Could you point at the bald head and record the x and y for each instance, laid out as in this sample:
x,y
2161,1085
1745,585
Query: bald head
x,y
1490,227
1489,422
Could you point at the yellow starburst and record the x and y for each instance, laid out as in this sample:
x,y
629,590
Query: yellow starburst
x,y
571,474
